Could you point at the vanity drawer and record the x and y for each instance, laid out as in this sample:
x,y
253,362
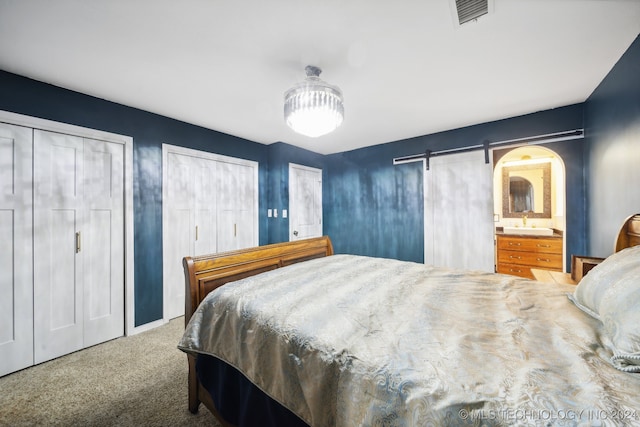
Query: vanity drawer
x,y
515,270
531,259
528,244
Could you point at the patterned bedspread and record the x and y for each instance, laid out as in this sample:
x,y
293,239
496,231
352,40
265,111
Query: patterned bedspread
x,y
357,341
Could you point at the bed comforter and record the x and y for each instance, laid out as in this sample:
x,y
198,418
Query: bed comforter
x,y
357,341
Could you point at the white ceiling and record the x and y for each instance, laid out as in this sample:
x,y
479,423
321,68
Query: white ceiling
x,y
405,67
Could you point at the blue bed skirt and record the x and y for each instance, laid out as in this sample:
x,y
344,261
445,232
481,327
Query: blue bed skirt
x,y
237,400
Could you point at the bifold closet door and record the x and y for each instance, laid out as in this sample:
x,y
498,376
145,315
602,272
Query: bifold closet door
x,y
236,201
16,268
78,243
102,241
191,207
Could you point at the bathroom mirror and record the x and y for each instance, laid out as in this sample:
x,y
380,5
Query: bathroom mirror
x,y
526,190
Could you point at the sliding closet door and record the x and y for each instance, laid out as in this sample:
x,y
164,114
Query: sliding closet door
x,y
102,241
16,290
58,207
459,225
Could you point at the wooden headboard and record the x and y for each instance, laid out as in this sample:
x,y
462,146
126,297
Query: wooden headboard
x,y
205,273
629,234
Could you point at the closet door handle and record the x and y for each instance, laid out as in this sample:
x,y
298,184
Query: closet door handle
x,y
235,230
78,241
196,232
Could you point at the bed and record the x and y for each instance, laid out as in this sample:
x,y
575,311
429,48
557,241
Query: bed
x,y
292,334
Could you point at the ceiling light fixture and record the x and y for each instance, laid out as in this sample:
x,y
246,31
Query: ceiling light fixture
x,y
313,107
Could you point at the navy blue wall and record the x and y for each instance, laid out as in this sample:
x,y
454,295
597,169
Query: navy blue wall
x,y
612,128
149,131
372,207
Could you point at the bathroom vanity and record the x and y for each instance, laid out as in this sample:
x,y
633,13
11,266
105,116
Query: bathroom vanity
x,y
517,254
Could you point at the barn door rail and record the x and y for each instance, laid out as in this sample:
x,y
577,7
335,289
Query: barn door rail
x,y
531,140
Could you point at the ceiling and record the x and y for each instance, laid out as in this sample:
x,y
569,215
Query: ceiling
x,y
406,67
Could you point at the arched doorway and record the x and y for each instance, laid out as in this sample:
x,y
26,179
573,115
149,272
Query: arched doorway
x,y
529,191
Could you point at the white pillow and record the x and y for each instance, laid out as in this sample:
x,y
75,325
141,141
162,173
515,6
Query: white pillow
x,y
611,293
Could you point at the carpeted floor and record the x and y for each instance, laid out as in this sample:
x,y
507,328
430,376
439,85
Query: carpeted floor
x,y
131,381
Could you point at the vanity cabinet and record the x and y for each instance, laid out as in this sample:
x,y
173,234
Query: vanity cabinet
x,y
517,255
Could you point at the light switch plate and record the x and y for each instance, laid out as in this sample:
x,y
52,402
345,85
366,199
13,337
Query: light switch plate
x,y
269,213
284,213
275,213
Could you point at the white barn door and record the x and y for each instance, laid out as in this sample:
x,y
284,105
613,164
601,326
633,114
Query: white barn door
x,y
459,228
305,202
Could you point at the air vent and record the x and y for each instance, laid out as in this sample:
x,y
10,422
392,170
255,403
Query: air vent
x,y
468,10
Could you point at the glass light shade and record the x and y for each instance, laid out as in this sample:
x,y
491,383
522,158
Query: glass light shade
x,y
313,107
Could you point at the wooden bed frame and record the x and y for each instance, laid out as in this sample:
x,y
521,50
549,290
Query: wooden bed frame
x,y
205,273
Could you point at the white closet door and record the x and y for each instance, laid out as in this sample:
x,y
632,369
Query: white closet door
x,y
246,233
58,209
236,206
102,241
190,200
205,206
227,226
209,206
459,225
16,269
179,230
305,202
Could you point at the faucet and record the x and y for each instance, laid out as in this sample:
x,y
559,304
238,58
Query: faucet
x,y
524,220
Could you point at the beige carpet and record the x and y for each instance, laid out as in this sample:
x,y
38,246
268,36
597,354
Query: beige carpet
x,y
131,381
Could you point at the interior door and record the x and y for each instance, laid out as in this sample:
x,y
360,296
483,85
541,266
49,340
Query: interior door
x,y
205,198
78,243
179,230
206,209
305,202
236,220
102,241
16,258
58,208
459,228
